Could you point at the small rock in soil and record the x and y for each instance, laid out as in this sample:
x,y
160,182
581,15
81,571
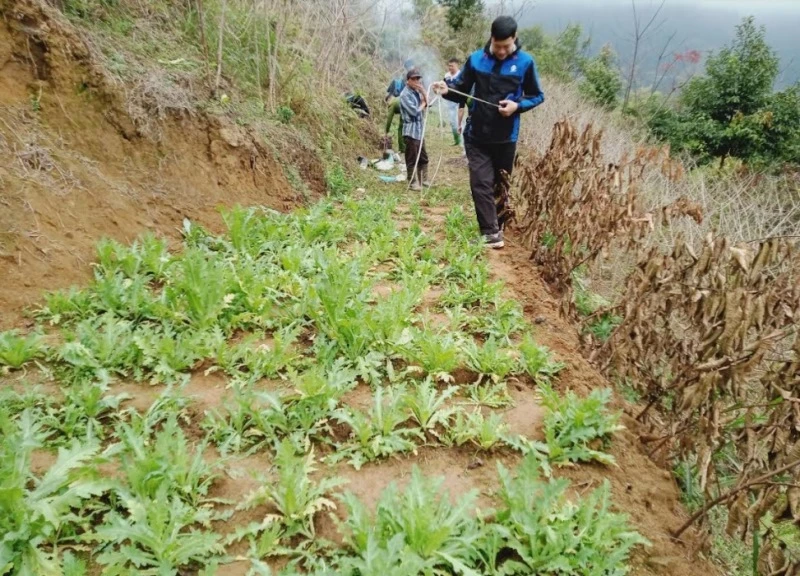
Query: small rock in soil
x,y
477,463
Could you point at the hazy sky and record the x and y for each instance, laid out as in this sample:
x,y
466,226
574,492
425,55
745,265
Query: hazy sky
x,y
742,6
704,25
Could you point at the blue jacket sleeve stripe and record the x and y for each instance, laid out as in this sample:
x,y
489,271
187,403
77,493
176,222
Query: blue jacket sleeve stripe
x,y
531,89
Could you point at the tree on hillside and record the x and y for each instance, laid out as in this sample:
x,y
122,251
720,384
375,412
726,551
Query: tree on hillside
x,y
459,12
781,126
601,81
561,57
735,90
732,110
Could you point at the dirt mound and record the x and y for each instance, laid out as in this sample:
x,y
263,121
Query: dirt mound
x,y
75,165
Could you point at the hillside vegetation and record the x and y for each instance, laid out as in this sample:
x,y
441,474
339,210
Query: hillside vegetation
x,y
227,350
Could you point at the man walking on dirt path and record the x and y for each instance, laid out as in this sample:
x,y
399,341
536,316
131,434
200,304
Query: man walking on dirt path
x,y
413,102
455,110
505,84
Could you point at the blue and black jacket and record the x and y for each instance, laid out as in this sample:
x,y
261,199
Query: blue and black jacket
x,y
493,80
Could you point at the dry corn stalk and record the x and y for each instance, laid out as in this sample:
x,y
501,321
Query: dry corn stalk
x,y
710,339
572,206
709,334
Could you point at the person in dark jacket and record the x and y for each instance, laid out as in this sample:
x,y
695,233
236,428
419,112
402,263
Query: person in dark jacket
x,y
505,77
397,84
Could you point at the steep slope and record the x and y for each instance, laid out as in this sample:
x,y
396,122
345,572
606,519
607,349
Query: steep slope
x,y
75,166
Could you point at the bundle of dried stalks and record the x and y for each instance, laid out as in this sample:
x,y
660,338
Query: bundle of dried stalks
x,y
572,206
709,333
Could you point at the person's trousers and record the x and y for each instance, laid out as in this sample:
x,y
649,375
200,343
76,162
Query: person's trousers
x,y
452,114
489,184
414,147
401,143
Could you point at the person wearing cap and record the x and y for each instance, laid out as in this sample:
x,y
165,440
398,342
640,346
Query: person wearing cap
x,y
413,102
505,79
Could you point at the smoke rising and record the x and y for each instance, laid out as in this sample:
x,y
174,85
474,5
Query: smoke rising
x,y
400,39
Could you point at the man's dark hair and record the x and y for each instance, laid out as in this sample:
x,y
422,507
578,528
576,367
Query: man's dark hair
x,y
454,61
504,27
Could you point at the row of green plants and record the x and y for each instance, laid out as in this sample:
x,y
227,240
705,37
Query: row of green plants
x,y
141,499
280,282
288,308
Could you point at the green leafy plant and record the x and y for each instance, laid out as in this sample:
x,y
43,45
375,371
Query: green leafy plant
x,y
146,256
337,181
485,433
457,226
166,353
16,349
437,535
130,298
490,360
436,354
264,360
39,514
547,533
537,361
576,427
202,288
505,321
285,114
385,558
98,349
162,535
491,395
603,326
297,498
249,421
379,433
477,290
155,458
83,414
253,419
428,406
65,306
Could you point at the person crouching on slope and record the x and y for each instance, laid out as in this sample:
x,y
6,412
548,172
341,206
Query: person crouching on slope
x,y
413,102
505,76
